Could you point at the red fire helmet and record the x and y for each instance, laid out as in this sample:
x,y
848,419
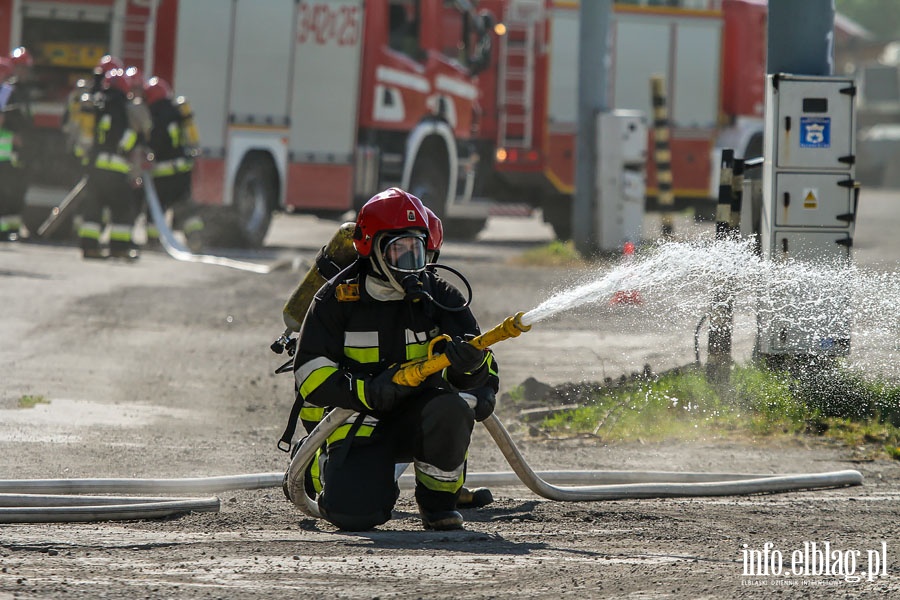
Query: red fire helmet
x,y
156,89
391,210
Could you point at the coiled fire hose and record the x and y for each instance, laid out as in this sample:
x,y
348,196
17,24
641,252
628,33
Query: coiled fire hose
x,y
54,500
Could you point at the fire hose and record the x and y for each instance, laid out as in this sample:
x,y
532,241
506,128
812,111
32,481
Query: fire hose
x,y
177,250
55,500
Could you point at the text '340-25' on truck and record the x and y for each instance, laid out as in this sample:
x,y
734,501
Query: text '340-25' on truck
x,y
309,106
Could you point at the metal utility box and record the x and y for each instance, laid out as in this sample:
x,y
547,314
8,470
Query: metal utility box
x,y
621,178
808,209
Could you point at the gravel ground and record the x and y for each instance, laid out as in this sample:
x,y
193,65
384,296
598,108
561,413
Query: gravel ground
x,y
162,369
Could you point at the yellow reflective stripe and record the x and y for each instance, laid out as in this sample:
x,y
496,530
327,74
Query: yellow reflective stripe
x,y
164,171
440,486
6,145
491,368
312,413
119,236
174,134
315,472
362,355
103,127
342,431
129,138
414,351
361,392
171,167
112,162
89,232
315,379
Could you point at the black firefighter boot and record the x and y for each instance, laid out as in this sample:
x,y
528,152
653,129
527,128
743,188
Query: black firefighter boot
x,y
474,498
438,509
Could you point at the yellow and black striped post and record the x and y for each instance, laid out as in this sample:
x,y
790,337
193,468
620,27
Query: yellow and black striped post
x,y
662,155
721,313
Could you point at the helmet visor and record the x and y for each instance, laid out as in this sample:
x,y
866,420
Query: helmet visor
x,y
405,253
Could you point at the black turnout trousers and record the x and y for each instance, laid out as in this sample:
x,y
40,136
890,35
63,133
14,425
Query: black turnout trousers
x,y
359,492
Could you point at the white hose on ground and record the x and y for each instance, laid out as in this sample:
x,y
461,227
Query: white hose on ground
x,y
56,500
175,249
616,485
34,500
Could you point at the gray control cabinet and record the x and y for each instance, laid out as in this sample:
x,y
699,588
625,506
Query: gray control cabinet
x,y
622,155
808,209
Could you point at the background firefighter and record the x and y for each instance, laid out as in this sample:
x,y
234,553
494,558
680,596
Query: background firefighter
x,y
110,183
173,143
15,141
381,311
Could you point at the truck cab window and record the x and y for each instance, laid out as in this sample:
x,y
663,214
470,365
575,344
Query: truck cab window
x,y
404,28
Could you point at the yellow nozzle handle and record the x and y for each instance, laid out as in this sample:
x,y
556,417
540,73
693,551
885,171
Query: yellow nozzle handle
x,y
415,372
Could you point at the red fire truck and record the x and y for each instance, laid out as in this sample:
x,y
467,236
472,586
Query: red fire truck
x,y
301,105
711,55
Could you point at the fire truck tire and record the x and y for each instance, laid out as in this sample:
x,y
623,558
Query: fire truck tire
x,y
255,197
463,229
558,213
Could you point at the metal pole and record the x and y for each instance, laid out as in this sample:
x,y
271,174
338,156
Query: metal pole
x,y
801,37
593,31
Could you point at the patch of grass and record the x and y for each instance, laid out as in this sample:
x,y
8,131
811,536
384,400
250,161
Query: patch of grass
x,y
757,402
32,401
554,254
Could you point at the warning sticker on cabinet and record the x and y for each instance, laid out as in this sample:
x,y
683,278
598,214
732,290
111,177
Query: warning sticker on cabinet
x,y
810,198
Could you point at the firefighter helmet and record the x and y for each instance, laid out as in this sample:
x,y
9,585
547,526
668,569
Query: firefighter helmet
x,y
21,57
115,79
392,231
107,63
391,210
157,89
135,80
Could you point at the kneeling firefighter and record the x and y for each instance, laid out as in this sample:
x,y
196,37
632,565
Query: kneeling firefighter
x,y
387,308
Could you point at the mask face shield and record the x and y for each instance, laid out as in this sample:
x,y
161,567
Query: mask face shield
x,y
405,253
402,258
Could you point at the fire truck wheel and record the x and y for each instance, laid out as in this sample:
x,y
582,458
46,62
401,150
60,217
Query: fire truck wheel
x,y
463,229
255,190
558,213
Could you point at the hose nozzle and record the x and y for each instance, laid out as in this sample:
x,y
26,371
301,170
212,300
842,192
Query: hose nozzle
x,y
415,372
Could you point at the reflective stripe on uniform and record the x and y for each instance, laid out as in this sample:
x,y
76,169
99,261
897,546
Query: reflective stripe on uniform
x,y
10,223
317,470
112,162
89,230
311,374
129,139
439,480
174,131
172,167
414,348
6,145
361,346
342,431
312,413
120,233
